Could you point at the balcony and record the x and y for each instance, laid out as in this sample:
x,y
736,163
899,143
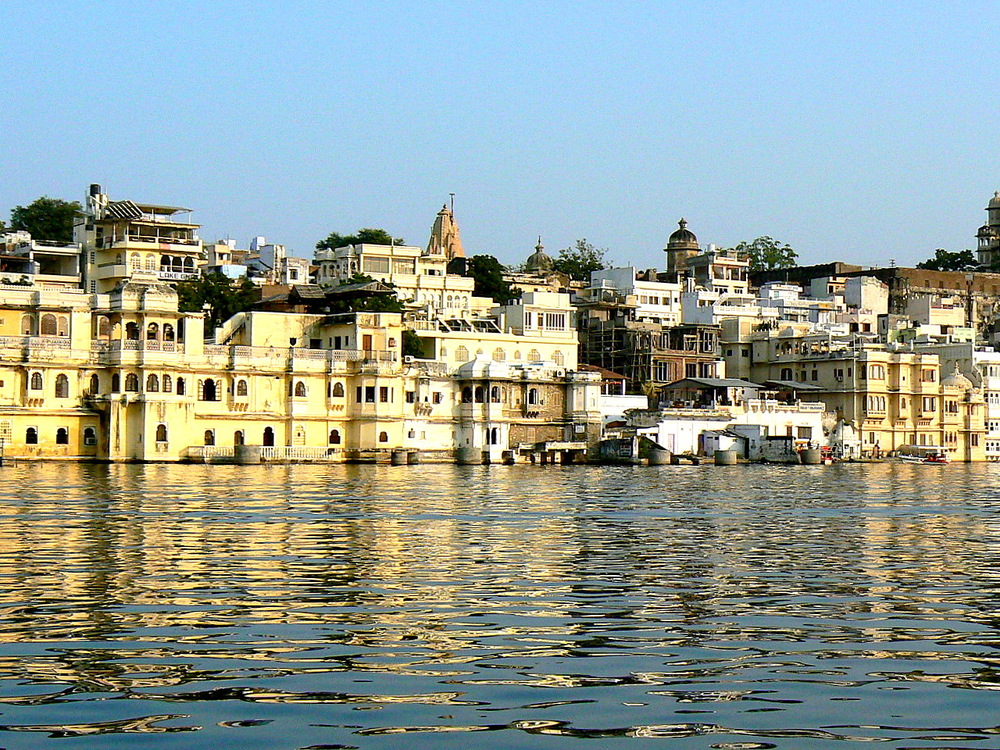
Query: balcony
x,y
146,242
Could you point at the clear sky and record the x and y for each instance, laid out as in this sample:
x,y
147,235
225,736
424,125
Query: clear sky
x,y
856,131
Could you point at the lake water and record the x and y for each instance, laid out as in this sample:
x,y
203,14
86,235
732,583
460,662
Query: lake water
x,y
499,607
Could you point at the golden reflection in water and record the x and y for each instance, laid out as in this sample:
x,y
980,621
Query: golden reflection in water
x,y
259,585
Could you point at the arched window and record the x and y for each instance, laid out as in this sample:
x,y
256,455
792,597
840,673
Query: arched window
x,y
383,437
152,332
209,437
135,260
207,389
132,383
36,381
480,397
495,394
238,437
131,331
242,389
95,384
27,325
338,390
161,433
63,329
62,386
558,357
31,436
89,436
499,355
150,262
786,373
168,384
493,436
62,436
268,436
467,394
152,384
534,356
334,437
181,387
299,438
462,354
103,328
517,355
188,265
168,332
300,389
116,383
533,396
48,327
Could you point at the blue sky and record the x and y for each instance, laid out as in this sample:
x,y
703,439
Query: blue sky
x,y
862,132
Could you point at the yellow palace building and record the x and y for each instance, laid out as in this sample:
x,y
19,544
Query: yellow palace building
x,y
125,376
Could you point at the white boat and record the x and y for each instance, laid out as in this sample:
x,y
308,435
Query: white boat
x,y
923,454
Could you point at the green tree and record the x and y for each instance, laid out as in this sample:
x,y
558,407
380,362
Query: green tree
x,y
488,273
767,254
224,297
577,262
943,260
368,235
46,219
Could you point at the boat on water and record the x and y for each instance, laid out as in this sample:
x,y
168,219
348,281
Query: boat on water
x,y
923,454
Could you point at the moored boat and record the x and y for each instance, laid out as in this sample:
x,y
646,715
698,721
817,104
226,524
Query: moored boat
x,y
923,454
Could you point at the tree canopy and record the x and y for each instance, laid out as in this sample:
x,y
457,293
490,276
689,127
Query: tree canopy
x,y
964,260
577,262
488,273
46,219
368,235
224,297
767,254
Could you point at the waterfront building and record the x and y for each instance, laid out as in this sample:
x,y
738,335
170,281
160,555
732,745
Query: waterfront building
x,y
890,394
125,240
981,366
754,423
125,376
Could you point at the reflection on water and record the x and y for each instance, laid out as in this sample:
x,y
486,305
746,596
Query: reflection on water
x,y
338,607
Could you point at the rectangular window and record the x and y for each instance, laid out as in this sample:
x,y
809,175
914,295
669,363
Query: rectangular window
x,y
358,395
411,397
383,394
928,376
930,403
555,321
376,265
437,397
369,394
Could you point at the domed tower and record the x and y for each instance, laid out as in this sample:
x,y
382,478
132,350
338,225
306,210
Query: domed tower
x,y
539,261
681,245
989,233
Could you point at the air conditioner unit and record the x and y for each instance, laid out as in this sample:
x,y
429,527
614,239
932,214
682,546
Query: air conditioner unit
x,y
408,359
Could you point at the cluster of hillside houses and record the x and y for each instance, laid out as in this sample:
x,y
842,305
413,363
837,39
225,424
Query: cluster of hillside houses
x,y
98,363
